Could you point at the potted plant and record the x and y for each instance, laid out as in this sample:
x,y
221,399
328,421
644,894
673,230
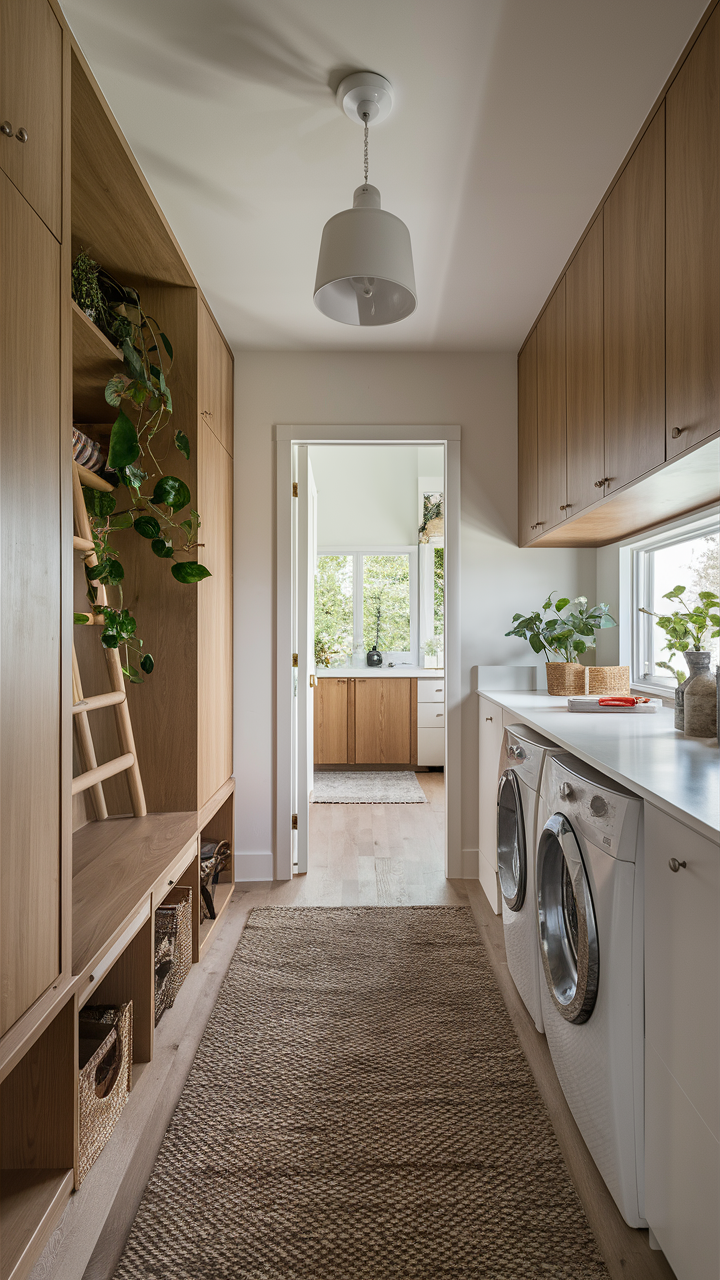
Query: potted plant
x,y
562,631
686,628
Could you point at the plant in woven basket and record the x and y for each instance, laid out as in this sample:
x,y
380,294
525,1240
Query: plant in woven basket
x,y
564,629
431,511
687,627
154,500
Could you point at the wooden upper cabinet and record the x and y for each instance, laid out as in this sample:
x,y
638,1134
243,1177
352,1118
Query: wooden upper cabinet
x,y
634,236
551,412
527,441
214,616
215,380
693,245
30,603
585,392
31,105
382,721
331,721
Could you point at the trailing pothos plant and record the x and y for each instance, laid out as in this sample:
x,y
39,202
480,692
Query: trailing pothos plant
x,y
562,632
150,503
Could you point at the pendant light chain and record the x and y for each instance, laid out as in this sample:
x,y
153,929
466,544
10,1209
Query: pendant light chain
x,y
365,149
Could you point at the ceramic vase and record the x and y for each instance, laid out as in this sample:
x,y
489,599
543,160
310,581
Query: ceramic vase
x,y
700,697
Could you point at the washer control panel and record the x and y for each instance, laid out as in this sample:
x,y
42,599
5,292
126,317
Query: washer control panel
x,y
605,816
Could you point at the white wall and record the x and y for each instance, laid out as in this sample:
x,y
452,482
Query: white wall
x,y
367,494
498,579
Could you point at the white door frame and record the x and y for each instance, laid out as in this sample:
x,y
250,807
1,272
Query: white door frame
x,y
285,438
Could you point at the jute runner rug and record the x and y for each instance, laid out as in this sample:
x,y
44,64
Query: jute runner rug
x,y
360,1109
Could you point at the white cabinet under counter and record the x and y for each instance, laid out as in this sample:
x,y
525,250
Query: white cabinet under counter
x,y
431,721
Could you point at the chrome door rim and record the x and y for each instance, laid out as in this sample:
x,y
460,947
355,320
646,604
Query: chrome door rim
x,y
571,964
511,847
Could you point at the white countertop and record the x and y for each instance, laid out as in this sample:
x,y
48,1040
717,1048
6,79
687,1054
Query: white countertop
x,y
359,673
679,775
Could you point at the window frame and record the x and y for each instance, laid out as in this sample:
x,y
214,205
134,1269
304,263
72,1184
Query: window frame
x,y
411,658
641,626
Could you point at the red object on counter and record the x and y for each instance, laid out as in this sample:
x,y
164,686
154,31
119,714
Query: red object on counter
x,y
620,702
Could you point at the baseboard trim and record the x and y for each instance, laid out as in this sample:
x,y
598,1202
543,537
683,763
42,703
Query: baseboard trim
x,y
253,866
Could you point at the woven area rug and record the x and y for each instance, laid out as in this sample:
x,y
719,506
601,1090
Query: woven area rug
x,y
367,788
360,1109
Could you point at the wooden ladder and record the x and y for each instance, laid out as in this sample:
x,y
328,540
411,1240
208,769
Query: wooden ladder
x,y
94,774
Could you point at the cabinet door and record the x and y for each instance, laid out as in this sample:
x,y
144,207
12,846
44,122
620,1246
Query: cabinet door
x,y
693,245
214,605
31,100
491,736
30,549
527,441
634,236
551,431
331,721
585,392
382,721
215,380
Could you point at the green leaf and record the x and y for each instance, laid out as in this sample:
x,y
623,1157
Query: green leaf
x,y
147,527
162,548
147,663
187,526
109,640
99,504
172,492
116,389
166,345
124,443
133,477
167,399
133,359
132,674
182,443
562,604
190,571
80,619
112,572
536,644
123,520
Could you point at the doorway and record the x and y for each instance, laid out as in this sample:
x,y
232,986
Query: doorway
x,y
367,567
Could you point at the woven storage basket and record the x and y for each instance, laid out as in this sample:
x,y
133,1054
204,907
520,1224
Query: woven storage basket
x,y
564,678
608,679
173,920
105,1080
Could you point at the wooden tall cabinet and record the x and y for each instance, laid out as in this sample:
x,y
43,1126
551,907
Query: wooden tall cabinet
x,y
693,245
551,409
527,440
31,105
585,364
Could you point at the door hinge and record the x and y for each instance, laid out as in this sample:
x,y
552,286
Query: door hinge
x,y
294,822
295,489
295,659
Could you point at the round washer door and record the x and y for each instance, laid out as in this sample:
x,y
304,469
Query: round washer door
x,y
511,849
566,918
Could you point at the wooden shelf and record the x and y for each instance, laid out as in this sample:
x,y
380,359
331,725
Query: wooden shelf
x,y
95,359
116,864
223,894
32,1202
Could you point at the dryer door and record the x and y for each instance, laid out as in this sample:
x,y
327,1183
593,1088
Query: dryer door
x,y
511,848
566,916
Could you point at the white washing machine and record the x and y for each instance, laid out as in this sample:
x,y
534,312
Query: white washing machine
x,y
523,754
590,920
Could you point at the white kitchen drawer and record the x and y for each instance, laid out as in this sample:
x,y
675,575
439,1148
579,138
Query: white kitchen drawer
x,y
431,746
431,690
431,715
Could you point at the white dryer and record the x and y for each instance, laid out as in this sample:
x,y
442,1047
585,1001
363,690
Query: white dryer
x,y
521,762
590,918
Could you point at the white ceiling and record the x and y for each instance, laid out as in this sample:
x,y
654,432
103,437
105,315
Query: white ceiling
x,y
511,118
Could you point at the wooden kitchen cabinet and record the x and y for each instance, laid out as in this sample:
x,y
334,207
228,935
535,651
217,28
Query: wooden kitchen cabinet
x,y
551,413
527,441
331,721
382,721
634,292
682,1034
693,245
585,390
215,380
31,105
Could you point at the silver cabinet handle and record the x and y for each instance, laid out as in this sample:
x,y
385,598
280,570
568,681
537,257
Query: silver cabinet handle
x,y
22,135
6,128
674,865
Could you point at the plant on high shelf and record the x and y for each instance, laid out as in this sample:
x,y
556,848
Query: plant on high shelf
x,y
562,631
154,500
686,629
432,518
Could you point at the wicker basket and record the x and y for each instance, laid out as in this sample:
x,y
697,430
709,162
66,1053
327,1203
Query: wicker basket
x,y
564,678
608,679
173,923
105,1077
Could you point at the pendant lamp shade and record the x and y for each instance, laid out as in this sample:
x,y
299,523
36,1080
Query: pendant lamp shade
x,y
365,270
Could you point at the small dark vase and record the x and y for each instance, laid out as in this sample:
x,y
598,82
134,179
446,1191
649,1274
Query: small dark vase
x,y
374,658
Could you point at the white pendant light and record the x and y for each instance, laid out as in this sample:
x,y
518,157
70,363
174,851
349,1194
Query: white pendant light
x,y
365,270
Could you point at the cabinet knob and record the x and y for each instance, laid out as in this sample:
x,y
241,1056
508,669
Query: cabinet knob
x,y
600,483
488,718
677,432
539,525
22,135
566,506
171,881
438,715
674,865
7,129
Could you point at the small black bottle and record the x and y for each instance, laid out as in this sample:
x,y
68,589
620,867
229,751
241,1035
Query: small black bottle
x,y
374,659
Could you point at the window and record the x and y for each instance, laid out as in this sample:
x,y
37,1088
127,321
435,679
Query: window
x,y
687,556
363,597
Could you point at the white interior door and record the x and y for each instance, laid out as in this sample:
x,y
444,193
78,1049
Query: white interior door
x,y
305,598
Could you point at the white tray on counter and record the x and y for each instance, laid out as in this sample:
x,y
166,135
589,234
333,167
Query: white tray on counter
x,y
591,703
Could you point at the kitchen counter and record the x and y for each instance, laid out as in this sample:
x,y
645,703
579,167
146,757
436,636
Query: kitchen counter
x,y
360,673
679,775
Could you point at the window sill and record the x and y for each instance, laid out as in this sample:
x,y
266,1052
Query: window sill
x,y
654,691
